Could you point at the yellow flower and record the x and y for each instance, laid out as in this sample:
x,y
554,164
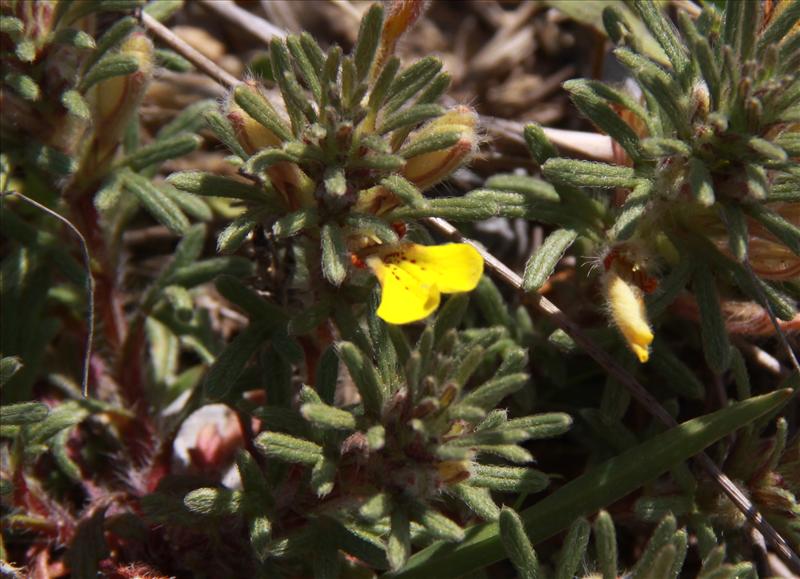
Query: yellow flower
x,y
413,277
626,305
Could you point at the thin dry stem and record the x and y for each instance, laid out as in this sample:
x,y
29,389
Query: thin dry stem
x,y
89,286
588,145
262,29
183,48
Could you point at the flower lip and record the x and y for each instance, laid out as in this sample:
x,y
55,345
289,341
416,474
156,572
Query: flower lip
x,y
413,277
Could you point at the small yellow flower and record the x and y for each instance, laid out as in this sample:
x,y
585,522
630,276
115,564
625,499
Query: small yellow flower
x,y
626,306
413,277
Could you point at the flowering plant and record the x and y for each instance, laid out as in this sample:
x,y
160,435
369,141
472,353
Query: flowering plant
x,y
333,386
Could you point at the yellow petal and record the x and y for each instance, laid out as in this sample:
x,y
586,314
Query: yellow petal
x,y
453,267
627,309
404,297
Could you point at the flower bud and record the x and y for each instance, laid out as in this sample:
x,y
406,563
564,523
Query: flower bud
x,y
377,200
294,185
116,99
626,306
453,471
401,16
252,135
429,168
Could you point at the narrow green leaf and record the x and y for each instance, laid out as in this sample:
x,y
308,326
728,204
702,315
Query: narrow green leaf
x,y
313,52
662,537
162,150
398,545
716,345
517,545
634,207
489,395
656,147
573,549
450,315
786,231
307,69
162,10
334,254
66,415
376,507
369,35
411,81
700,182
601,114
368,224
11,26
544,261
533,188
439,526
605,540
538,144
109,67
588,173
428,143
172,61
701,51
215,502
25,50
405,191
50,160
223,130
738,235
9,365
75,104
23,413
365,377
678,376
23,85
539,426
323,476
255,105
509,479
164,210
288,448
409,117
230,364
667,36
207,270
757,181
381,87
298,106
111,38
328,416
295,222
661,87
478,500
209,185
379,162
235,233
